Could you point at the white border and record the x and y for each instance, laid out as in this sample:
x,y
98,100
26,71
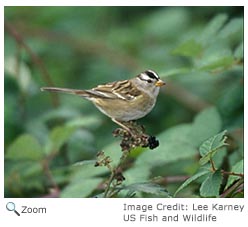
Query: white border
x,y
103,212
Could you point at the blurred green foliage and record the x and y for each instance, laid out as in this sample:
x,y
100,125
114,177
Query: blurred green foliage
x,y
51,141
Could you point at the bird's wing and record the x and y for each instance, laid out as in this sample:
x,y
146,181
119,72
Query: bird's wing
x,y
116,90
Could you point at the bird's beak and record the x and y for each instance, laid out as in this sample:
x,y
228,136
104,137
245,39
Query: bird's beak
x,y
159,83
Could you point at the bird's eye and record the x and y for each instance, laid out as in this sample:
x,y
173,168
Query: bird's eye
x,y
149,81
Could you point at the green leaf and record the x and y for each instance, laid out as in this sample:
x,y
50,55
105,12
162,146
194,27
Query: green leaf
x,y
191,179
86,121
189,48
80,144
174,145
217,63
61,112
25,147
86,169
232,99
81,188
237,168
25,169
25,175
239,51
138,173
84,180
113,150
213,143
235,25
219,156
58,136
85,177
166,23
211,146
211,186
207,123
22,75
147,187
212,28
175,71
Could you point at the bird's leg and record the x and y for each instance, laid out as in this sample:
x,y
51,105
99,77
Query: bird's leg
x,y
123,126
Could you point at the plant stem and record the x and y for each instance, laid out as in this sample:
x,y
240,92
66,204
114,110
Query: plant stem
x,y
228,192
111,178
232,173
35,58
212,164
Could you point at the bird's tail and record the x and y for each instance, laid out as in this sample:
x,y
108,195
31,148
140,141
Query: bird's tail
x,y
65,90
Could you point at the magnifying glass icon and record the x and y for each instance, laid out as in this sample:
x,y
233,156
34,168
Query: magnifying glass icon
x,y
10,206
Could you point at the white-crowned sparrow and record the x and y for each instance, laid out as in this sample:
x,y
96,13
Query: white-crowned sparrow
x,y
123,100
